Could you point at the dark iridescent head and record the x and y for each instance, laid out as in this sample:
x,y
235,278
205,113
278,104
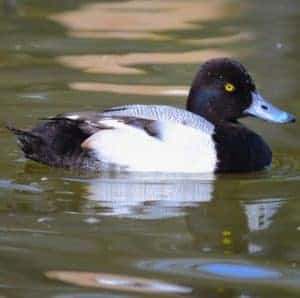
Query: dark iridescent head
x,y
224,91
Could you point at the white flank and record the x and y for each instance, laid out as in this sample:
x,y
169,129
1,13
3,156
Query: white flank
x,y
180,148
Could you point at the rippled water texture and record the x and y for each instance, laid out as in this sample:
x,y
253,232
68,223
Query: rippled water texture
x,y
66,234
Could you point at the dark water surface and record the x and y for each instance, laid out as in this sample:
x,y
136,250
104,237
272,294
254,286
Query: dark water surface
x,y
66,234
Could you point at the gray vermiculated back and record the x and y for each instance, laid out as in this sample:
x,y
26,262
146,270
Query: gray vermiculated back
x,y
164,113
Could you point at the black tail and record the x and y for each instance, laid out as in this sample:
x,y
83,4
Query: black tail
x,y
56,142
30,143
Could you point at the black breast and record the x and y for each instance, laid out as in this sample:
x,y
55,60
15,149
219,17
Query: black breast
x,y
240,150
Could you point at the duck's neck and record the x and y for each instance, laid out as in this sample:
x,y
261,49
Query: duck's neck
x,y
239,149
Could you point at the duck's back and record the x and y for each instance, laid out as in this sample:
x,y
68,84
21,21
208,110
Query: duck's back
x,y
164,113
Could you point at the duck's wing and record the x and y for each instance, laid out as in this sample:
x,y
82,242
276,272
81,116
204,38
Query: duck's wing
x,y
162,112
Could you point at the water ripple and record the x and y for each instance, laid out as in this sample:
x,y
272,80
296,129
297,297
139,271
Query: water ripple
x,y
7,184
116,282
228,270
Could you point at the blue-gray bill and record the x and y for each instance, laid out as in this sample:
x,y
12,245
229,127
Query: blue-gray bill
x,y
263,109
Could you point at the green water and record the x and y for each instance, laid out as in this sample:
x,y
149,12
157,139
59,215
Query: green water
x,y
225,236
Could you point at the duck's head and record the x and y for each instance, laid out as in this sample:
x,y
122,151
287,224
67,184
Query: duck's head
x,y
223,91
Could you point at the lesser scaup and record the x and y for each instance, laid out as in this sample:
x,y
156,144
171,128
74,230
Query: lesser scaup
x,y
206,137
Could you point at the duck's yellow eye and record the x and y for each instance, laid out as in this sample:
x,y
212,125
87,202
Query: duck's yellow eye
x,y
229,87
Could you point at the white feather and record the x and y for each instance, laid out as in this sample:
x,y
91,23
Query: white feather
x,y
180,148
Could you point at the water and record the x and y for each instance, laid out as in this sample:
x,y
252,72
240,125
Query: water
x,y
65,234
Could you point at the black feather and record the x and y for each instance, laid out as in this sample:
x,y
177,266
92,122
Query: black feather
x,y
28,141
56,142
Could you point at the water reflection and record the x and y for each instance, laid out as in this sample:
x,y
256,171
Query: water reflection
x,y
217,225
229,270
154,20
117,282
260,214
141,19
210,229
125,64
236,228
146,198
131,89
222,40
88,295
239,271
6,184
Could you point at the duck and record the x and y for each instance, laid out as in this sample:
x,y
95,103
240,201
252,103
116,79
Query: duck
x,y
205,137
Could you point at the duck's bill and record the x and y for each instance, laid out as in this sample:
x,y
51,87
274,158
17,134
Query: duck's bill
x,y
263,109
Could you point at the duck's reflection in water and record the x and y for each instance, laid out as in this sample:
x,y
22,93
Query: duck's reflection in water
x,y
165,196
260,213
148,197
222,215
235,225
